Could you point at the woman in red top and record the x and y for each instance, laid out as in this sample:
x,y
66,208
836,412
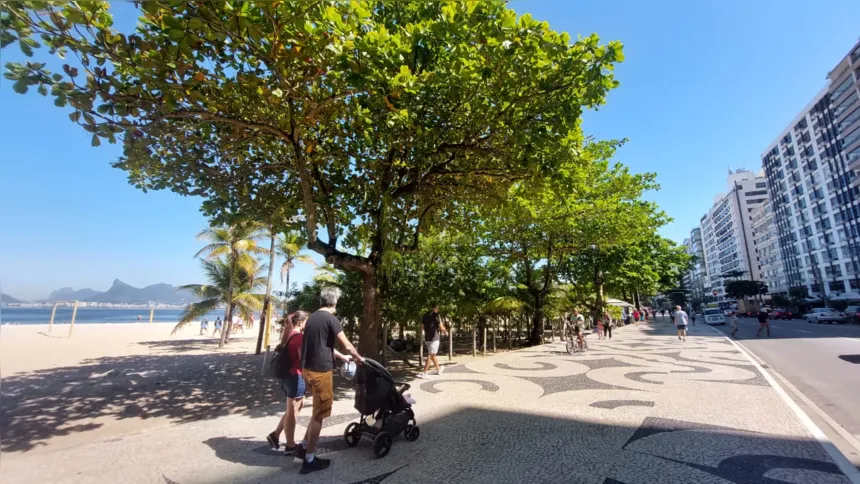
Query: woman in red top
x,y
294,385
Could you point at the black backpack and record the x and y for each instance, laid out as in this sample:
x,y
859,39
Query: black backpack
x,y
281,360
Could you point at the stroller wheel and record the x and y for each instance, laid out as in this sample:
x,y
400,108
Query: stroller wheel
x,y
411,433
381,444
352,434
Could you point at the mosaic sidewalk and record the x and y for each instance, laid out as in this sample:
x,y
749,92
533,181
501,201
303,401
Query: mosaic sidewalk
x,y
643,407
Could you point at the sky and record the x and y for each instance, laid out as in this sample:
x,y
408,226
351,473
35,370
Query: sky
x,y
705,87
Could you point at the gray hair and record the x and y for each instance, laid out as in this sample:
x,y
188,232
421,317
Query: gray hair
x,y
329,296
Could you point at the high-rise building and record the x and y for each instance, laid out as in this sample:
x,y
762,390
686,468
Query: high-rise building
x,y
694,279
727,236
810,169
766,243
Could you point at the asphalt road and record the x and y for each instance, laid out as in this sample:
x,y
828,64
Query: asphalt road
x,y
820,360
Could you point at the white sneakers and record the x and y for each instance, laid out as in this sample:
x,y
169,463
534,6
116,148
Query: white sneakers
x,y
425,376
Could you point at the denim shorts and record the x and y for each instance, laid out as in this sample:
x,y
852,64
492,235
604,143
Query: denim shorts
x,y
293,386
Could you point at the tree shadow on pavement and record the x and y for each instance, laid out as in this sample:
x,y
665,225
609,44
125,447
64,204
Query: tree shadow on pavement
x,y
39,405
190,344
482,445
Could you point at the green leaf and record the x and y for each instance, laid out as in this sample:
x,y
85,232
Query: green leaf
x,y
26,49
95,141
75,116
20,86
43,90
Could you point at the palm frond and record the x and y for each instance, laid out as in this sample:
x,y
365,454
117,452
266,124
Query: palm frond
x,y
194,311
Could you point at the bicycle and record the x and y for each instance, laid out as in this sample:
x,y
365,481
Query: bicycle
x,y
573,345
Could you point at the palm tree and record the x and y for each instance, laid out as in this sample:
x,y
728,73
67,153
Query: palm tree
x,y
238,245
289,247
226,286
264,315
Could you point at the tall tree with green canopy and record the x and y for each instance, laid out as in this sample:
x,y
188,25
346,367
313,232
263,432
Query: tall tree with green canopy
x,y
379,114
586,209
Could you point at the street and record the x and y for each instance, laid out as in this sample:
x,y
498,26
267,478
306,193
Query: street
x,y
821,360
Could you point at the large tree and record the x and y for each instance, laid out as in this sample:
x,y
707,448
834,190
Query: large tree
x,y
379,115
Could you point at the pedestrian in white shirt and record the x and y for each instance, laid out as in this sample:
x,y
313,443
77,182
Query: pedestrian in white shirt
x,y
680,319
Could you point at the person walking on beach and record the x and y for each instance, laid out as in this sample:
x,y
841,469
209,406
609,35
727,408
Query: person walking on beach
x,y
763,323
680,319
238,325
218,325
138,318
322,331
733,319
204,327
293,384
432,325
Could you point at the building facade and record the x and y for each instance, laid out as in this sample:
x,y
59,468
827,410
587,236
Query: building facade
x,y
810,169
766,243
727,234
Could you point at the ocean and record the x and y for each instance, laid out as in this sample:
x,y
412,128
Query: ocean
x,y
17,315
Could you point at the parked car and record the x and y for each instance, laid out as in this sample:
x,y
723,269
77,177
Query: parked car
x,y
825,315
853,313
714,317
781,313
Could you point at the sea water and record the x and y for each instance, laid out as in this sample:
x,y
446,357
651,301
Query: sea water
x,y
42,315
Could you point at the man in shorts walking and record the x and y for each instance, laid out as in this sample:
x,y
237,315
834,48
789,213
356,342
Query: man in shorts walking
x,y
680,319
431,322
322,331
733,318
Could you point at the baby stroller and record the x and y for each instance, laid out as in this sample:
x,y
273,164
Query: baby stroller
x,y
384,411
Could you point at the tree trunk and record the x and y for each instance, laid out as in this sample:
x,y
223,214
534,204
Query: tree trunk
x,y
537,322
268,300
228,316
368,332
287,289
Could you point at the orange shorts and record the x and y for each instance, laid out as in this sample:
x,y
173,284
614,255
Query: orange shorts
x,y
320,385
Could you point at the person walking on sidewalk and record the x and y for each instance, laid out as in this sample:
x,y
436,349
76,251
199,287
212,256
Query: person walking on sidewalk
x,y
763,323
607,325
431,322
636,316
680,319
733,319
293,385
693,317
322,331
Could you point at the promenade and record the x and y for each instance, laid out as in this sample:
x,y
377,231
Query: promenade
x,y
643,407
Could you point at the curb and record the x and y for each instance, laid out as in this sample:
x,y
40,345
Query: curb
x,y
847,468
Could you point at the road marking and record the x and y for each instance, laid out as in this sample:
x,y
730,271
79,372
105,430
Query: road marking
x,y
802,331
847,468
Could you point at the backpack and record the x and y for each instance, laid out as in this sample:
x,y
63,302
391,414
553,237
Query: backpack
x,y
279,366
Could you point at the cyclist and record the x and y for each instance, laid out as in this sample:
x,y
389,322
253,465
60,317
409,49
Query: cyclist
x,y
576,327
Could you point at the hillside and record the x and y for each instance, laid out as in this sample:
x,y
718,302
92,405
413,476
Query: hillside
x,y
122,293
5,298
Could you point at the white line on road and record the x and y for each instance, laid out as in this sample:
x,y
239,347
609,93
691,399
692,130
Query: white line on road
x,y
851,472
802,331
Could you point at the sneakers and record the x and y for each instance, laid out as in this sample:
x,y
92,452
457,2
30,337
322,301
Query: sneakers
x,y
272,439
290,451
423,376
440,370
299,454
318,464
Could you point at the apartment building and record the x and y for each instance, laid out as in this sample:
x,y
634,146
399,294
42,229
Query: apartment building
x,y
694,279
727,234
810,169
766,244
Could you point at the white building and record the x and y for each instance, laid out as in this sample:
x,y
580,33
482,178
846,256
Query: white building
x,y
810,169
694,279
766,243
727,232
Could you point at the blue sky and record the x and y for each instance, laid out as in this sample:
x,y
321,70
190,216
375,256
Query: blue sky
x,y
705,87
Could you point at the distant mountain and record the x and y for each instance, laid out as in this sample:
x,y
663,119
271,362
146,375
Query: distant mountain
x,y
5,298
121,292
70,294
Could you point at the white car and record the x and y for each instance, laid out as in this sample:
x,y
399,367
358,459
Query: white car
x,y
822,315
714,317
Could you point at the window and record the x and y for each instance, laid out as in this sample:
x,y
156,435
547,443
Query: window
x,y
761,185
850,138
842,87
756,192
792,163
844,105
837,286
849,121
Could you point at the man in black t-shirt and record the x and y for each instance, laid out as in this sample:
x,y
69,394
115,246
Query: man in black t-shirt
x,y
322,331
432,325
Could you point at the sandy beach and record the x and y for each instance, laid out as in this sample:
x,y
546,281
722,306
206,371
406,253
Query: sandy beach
x,y
112,379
